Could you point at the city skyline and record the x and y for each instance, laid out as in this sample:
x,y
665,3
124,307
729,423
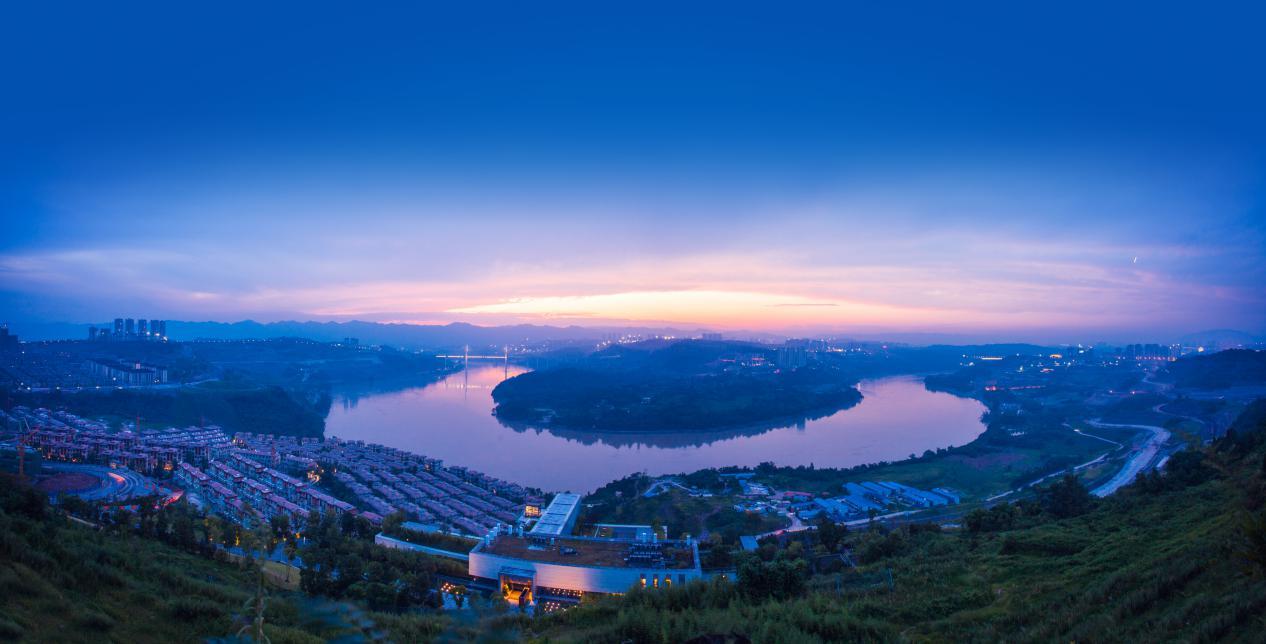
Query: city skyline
x,y
868,171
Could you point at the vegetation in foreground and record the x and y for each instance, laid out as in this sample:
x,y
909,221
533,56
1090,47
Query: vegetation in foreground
x,y
170,576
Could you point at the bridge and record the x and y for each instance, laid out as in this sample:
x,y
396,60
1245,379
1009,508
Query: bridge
x,y
465,357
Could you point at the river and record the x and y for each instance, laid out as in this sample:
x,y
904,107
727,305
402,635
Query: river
x,y
452,420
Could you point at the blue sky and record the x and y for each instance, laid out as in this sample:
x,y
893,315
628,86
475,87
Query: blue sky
x,y
1065,170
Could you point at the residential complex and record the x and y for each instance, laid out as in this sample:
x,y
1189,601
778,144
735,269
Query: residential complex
x,y
130,329
252,477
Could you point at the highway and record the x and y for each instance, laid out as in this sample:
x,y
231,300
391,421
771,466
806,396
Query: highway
x,y
1139,461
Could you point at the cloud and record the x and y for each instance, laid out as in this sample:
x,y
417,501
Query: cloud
x,y
954,251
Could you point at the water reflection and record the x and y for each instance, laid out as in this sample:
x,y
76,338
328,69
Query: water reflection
x,y
670,439
452,420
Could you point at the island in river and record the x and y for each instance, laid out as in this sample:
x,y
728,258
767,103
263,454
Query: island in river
x,y
680,385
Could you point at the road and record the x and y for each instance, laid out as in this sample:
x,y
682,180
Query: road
x,y
1143,457
1138,461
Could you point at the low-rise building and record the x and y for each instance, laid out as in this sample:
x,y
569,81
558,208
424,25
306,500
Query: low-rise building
x,y
563,568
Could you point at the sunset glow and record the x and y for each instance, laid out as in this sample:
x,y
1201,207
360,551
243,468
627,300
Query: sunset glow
x,y
508,187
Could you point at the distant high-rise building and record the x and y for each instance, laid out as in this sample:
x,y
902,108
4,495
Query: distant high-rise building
x,y
118,327
8,341
142,328
130,327
791,357
158,328
711,336
92,333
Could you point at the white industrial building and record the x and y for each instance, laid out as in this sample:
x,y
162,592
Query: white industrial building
x,y
545,562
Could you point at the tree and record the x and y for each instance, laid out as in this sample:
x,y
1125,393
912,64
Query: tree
x,y
73,504
1187,468
247,540
1066,498
289,550
999,517
392,522
162,526
280,524
829,532
347,523
265,539
780,579
122,519
182,530
214,527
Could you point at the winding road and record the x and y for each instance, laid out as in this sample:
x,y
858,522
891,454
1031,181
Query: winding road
x,y
1138,461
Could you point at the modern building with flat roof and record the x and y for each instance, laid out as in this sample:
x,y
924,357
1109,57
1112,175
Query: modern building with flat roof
x,y
560,517
566,567
624,531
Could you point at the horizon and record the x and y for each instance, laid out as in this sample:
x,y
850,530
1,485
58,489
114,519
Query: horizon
x,y
870,171
194,330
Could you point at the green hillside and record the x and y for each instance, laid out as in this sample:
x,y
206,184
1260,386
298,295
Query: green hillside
x,y
1218,370
63,581
1174,557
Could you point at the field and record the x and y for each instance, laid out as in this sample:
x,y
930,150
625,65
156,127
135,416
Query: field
x,y
977,470
67,482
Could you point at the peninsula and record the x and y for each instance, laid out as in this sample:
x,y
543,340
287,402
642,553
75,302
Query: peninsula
x,y
677,385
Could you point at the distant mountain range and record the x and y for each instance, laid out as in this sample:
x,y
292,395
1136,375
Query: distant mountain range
x,y
413,336
1221,337
457,334
410,336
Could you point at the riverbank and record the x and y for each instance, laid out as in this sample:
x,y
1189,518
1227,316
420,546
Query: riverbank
x,y
452,420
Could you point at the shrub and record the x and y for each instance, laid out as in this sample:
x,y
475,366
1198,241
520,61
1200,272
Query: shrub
x,y
195,609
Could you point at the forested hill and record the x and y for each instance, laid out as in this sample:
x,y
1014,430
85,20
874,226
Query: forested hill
x,y
1219,370
677,385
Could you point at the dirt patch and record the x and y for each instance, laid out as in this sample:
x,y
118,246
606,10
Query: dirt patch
x,y
68,482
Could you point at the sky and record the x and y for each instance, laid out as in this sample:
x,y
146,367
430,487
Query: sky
x,y
1065,171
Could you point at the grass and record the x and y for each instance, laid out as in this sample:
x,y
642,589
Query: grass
x,y
993,463
277,574
62,582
